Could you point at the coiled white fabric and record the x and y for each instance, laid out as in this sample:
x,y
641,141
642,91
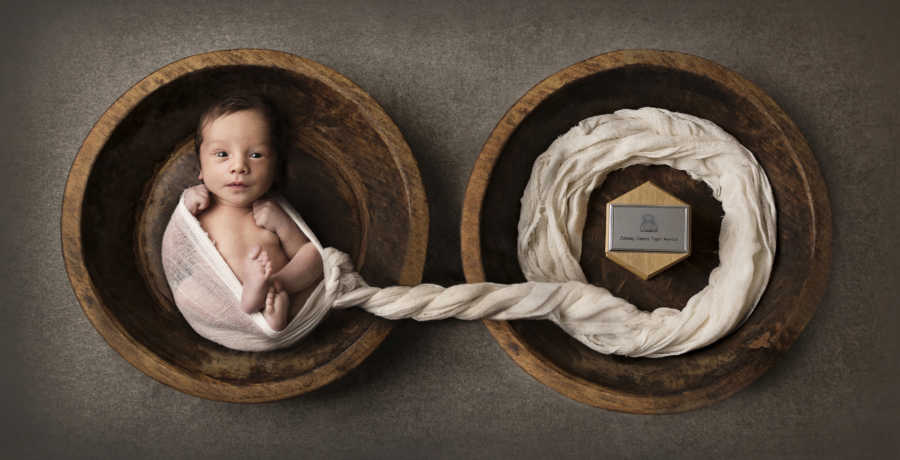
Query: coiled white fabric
x,y
554,207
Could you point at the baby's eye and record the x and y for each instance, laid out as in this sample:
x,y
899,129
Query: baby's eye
x,y
221,154
256,155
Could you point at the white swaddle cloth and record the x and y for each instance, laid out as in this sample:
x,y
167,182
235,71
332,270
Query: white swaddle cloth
x,y
208,293
551,223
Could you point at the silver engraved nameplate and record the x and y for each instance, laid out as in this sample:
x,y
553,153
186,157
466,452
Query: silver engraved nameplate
x,y
647,228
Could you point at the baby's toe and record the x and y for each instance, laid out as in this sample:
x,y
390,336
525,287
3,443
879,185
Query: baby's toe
x,y
270,300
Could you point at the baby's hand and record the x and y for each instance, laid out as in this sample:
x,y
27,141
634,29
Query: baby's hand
x,y
268,215
196,199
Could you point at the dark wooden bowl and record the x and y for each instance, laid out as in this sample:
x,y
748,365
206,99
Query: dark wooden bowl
x,y
350,174
683,83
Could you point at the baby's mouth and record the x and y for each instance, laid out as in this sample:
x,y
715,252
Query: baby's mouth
x,y
237,185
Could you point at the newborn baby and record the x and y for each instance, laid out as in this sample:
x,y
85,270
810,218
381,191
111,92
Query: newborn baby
x,y
239,143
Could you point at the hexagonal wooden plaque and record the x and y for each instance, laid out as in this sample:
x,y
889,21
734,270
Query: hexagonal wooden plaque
x,y
643,263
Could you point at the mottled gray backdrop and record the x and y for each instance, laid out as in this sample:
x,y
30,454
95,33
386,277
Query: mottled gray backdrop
x,y
446,72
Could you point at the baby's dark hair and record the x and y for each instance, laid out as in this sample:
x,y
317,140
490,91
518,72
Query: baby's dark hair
x,y
278,132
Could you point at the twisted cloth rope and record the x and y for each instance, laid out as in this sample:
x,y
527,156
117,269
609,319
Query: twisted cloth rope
x,y
554,207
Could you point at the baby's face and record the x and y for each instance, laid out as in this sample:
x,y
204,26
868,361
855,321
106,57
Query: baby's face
x,y
237,161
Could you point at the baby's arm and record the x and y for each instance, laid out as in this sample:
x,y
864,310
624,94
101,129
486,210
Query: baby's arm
x,y
196,199
305,265
304,268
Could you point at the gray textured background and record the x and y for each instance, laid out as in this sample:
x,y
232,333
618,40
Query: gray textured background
x,y
446,74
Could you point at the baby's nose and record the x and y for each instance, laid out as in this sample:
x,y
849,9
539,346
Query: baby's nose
x,y
239,167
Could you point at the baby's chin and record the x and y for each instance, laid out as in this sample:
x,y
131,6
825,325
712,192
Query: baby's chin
x,y
239,197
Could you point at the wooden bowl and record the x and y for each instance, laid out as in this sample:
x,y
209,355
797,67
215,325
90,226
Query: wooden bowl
x,y
350,174
683,83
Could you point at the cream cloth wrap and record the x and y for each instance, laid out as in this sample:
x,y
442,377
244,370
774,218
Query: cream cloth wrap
x,y
208,293
554,207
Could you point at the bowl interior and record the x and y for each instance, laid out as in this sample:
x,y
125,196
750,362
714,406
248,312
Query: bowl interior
x,y
635,86
348,199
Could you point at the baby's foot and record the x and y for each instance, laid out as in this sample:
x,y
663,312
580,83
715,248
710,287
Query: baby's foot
x,y
257,269
277,303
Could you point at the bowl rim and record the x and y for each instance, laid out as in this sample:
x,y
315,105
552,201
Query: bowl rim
x,y
145,359
593,393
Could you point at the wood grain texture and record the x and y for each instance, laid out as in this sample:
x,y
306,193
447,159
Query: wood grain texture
x,y
682,83
646,264
349,172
